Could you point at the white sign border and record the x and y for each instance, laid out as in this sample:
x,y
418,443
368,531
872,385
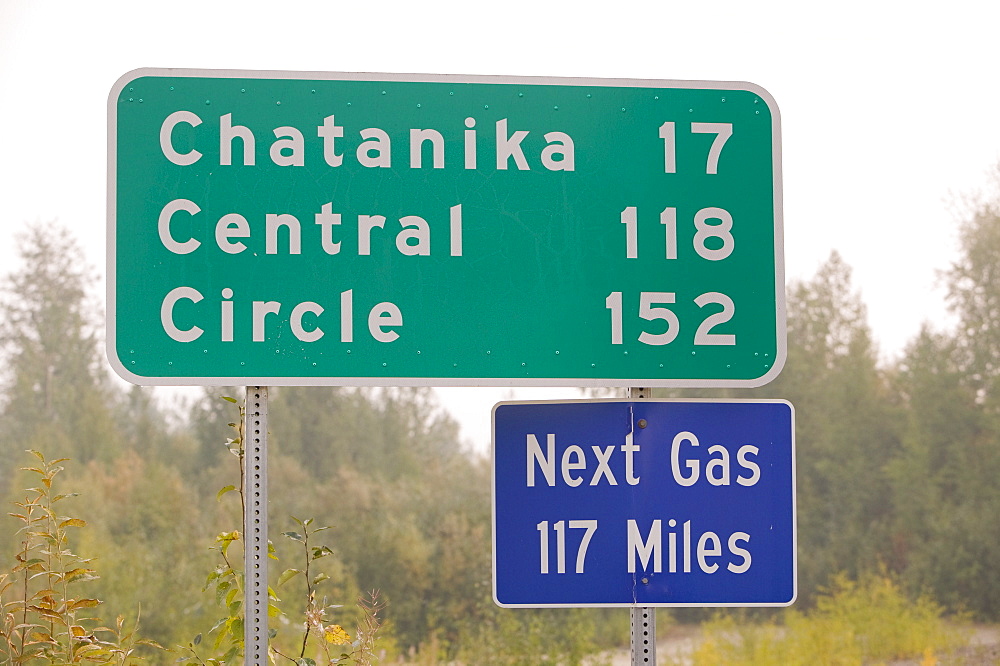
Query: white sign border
x,y
253,380
795,520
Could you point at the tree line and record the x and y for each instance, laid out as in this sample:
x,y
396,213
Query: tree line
x,y
897,463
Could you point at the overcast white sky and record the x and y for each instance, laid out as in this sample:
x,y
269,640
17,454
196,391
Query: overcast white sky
x,y
889,109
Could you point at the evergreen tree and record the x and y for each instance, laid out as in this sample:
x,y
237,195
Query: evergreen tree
x,y
973,283
944,482
58,396
844,428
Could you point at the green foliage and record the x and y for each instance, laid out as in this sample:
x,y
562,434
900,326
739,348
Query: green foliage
x,y
45,619
322,643
868,621
897,464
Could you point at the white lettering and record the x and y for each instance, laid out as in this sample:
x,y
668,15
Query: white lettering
x,y
167,314
704,551
602,465
228,132
754,468
721,463
163,226
508,147
166,133
577,462
644,548
546,461
377,140
365,225
330,132
229,226
326,218
293,142
741,552
415,228
417,139
629,449
382,315
692,465
290,222
260,311
296,322
560,143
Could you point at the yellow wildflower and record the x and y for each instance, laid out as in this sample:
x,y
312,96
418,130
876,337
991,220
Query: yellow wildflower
x,y
335,634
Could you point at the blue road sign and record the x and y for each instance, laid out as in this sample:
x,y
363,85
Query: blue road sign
x,y
644,503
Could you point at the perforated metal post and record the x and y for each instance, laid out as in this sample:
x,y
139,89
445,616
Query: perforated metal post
x,y
255,528
643,626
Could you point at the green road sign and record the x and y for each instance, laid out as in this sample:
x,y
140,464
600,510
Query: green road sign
x,y
382,229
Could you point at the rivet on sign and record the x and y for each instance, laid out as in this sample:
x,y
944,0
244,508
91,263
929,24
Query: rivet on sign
x,y
556,108
384,364
418,106
348,351
557,352
418,352
623,109
208,101
314,365
523,364
383,92
488,352
243,90
486,106
170,362
642,423
451,94
645,581
589,95
131,89
313,92
520,94
278,102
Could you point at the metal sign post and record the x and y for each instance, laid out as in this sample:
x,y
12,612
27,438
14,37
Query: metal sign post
x,y
643,620
255,528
